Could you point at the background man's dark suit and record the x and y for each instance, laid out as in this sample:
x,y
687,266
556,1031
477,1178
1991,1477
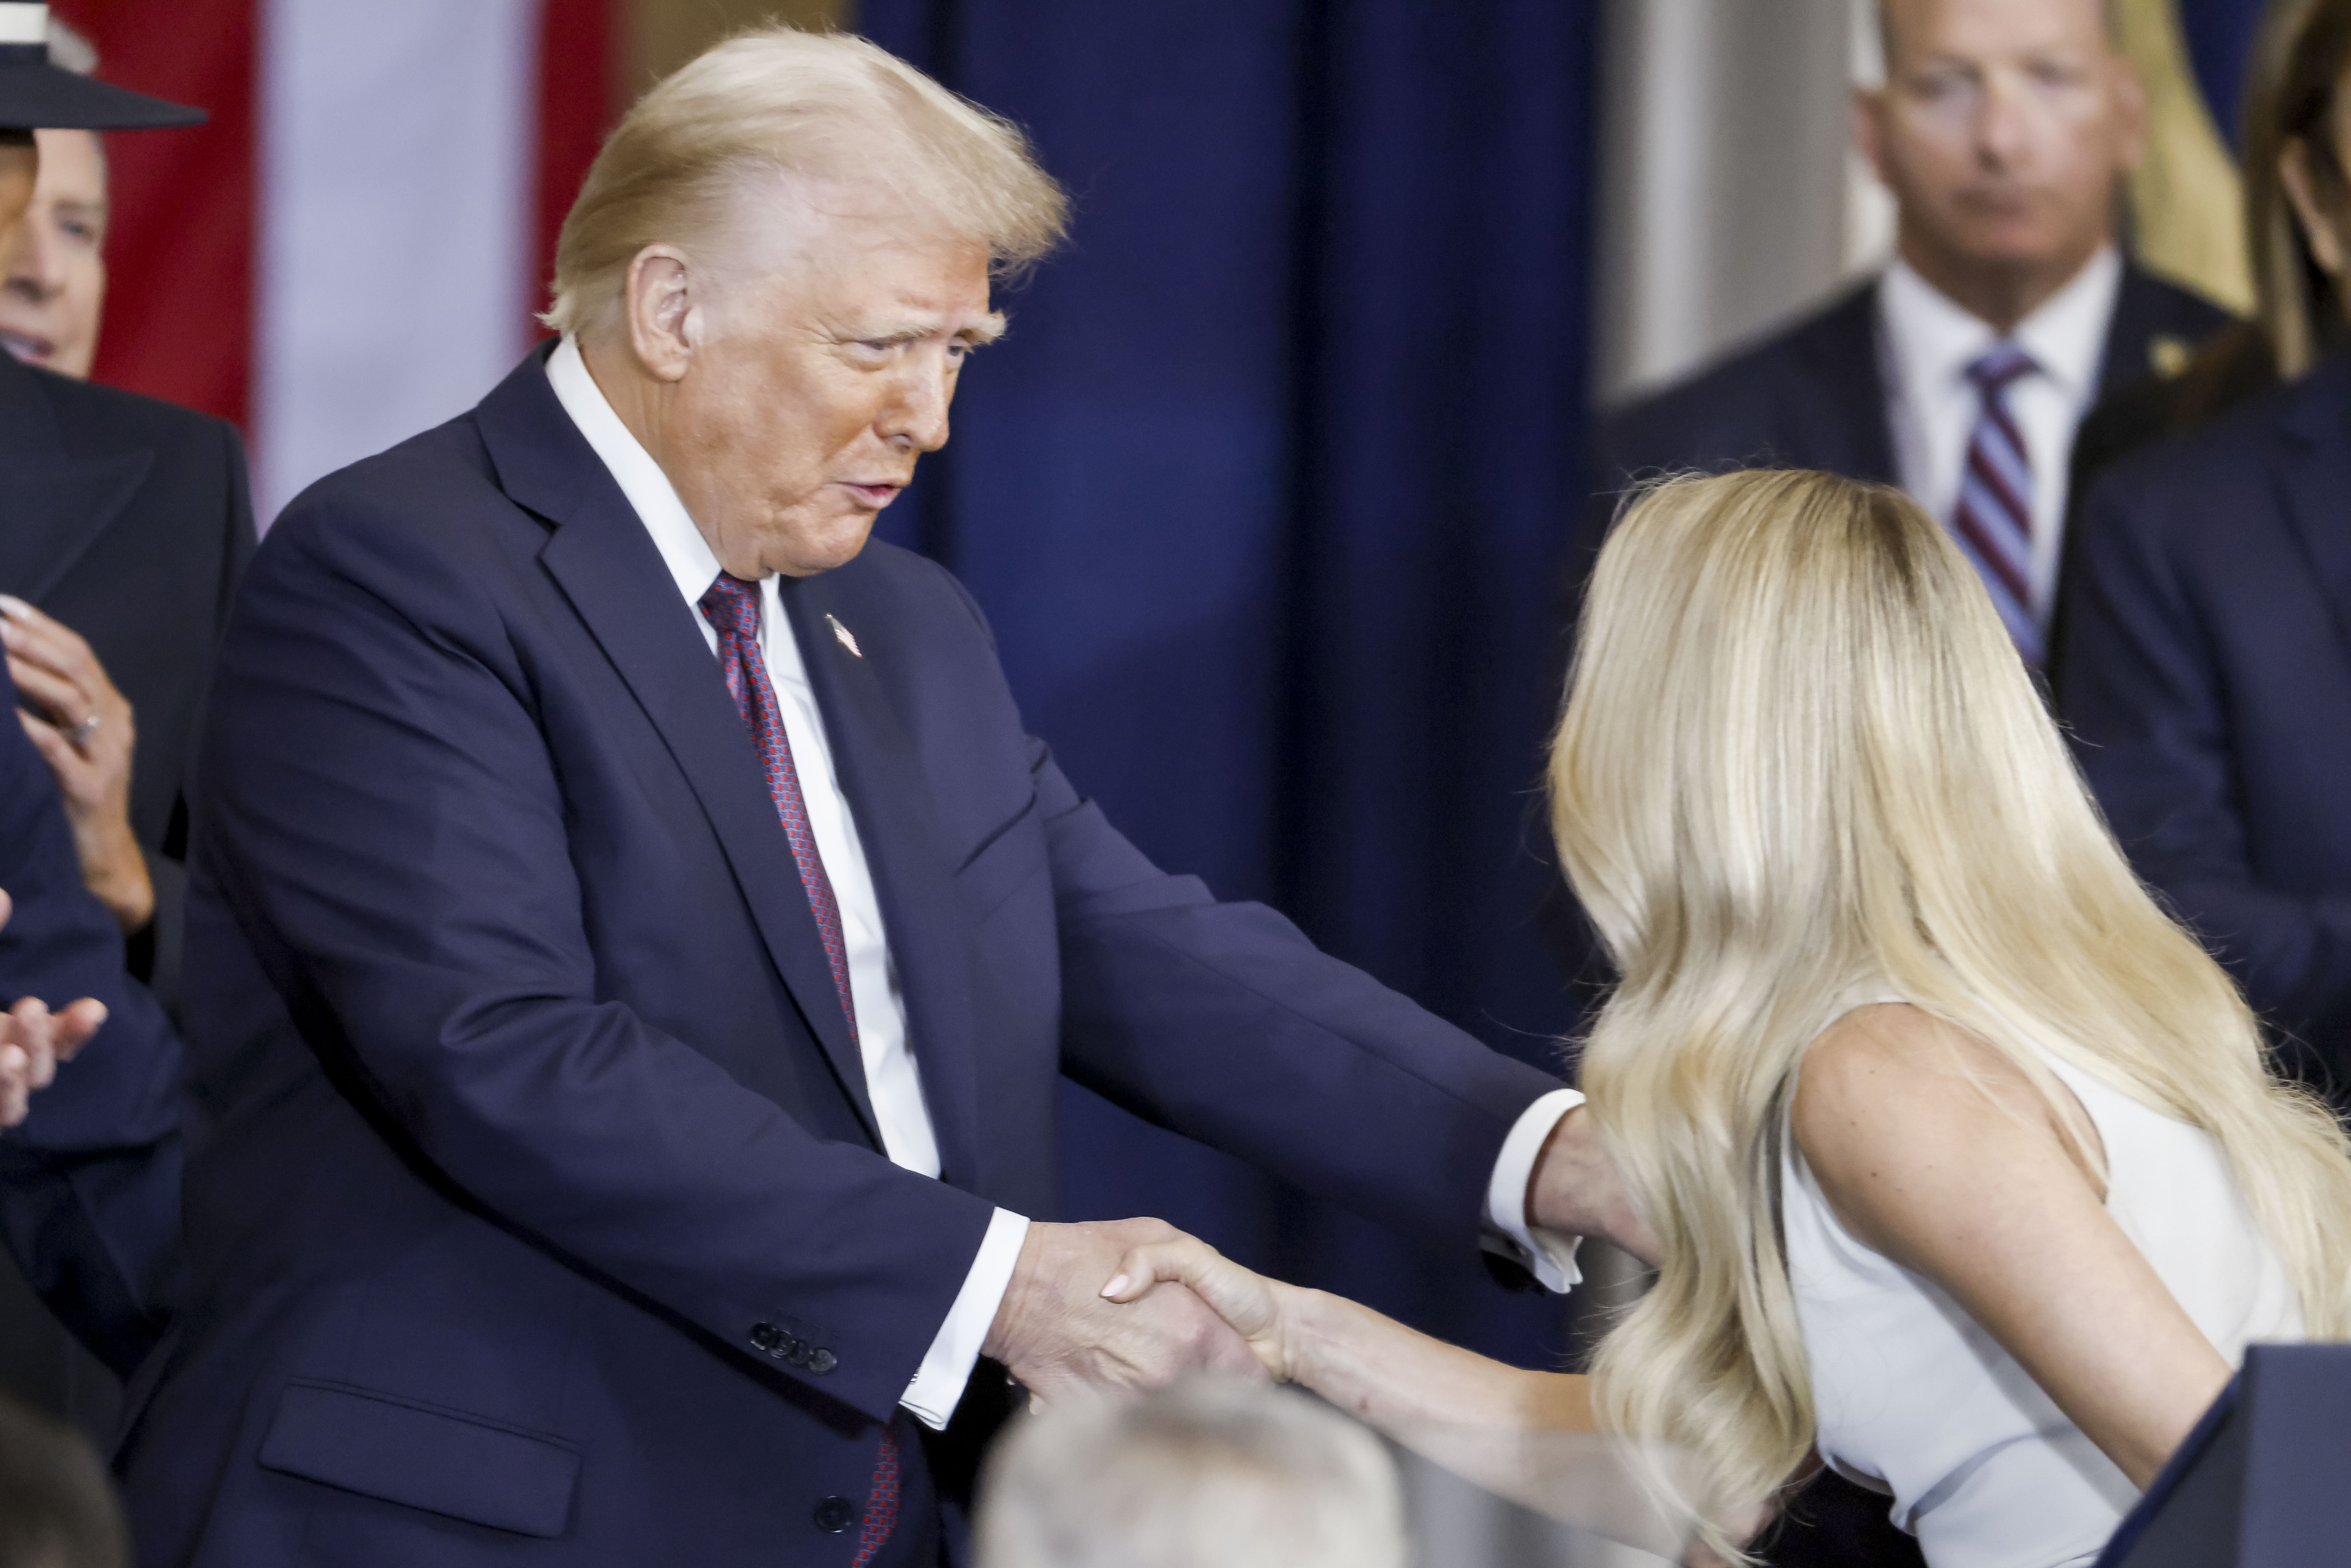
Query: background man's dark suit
x,y
90,1182
1815,396
533,1194
129,519
2208,687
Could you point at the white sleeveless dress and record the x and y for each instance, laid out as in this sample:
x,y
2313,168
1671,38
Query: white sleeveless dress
x,y
1916,1401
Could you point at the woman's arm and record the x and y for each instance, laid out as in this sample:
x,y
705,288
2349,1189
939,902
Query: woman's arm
x,y
1372,1367
1935,1150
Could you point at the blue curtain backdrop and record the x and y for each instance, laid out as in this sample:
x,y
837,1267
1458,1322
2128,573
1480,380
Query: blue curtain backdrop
x,y
1265,495
2218,35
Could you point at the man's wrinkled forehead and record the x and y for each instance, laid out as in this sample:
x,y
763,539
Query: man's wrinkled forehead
x,y
1909,27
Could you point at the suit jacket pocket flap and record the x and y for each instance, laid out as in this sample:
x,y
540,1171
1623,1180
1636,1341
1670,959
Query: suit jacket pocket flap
x,y
428,1458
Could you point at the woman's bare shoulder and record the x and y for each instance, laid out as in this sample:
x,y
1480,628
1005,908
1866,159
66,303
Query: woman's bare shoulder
x,y
1892,1103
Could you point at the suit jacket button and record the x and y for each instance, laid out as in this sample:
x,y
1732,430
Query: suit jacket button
x,y
835,1514
822,1361
766,1336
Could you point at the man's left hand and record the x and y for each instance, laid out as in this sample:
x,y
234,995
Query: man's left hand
x,y
86,734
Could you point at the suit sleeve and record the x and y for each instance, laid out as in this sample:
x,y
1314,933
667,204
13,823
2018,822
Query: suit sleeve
x,y
381,811
2144,694
1222,1022
89,1183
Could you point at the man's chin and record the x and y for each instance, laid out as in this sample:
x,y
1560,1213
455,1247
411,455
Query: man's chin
x,y
824,549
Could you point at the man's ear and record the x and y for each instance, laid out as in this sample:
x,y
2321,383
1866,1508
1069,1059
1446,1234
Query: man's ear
x,y
663,316
2319,229
2130,113
1869,129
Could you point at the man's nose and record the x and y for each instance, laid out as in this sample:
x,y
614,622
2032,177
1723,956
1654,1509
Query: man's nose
x,y
2004,122
36,269
917,417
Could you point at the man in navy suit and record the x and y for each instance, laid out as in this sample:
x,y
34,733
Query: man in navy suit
x,y
2209,689
634,942
2003,130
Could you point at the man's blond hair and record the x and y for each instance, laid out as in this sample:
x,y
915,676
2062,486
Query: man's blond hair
x,y
826,108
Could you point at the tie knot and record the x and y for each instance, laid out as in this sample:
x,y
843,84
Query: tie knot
x,y
1997,366
733,605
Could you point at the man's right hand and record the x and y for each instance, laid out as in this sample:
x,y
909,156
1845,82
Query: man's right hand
x,y
1054,1331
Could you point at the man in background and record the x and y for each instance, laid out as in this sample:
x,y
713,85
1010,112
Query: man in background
x,y
54,289
2004,129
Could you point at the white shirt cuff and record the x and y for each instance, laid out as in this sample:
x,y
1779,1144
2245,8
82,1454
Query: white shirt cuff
x,y
939,1382
1546,1254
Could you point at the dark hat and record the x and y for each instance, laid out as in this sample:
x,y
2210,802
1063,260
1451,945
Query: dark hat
x,y
35,95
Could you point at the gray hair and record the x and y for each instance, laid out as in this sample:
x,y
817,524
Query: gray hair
x,y
816,106
1207,1473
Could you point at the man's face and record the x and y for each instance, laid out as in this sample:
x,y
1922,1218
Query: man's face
x,y
821,378
55,286
20,166
2003,129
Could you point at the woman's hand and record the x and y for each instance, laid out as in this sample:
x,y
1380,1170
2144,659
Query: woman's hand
x,y
87,738
1254,1305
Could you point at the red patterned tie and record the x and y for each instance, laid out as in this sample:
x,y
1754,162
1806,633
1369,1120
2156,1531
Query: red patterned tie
x,y
732,608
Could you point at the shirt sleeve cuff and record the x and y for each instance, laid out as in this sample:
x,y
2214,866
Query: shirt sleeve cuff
x,y
939,1382
1546,1254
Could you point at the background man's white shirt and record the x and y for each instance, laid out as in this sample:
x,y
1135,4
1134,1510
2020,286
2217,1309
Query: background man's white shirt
x,y
1930,340
893,1077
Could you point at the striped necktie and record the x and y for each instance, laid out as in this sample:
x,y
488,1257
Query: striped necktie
x,y
1993,519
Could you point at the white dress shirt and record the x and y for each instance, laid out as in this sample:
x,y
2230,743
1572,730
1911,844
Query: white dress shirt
x,y
1930,340
893,1077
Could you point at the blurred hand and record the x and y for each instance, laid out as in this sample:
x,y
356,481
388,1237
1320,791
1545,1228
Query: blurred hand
x,y
1056,1331
85,733
1251,1304
1575,1190
33,1040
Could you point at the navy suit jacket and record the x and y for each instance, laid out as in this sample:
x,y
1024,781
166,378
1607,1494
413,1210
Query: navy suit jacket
x,y
536,1210
1813,395
2209,688
90,1181
129,521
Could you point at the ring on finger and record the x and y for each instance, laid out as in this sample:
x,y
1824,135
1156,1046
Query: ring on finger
x,y
82,732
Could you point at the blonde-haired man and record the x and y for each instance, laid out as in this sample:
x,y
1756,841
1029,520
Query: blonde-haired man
x,y
635,943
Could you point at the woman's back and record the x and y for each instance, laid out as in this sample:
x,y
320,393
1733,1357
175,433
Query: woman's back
x,y
1914,1398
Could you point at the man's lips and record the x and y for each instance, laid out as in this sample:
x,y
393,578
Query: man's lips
x,y
874,496
27,346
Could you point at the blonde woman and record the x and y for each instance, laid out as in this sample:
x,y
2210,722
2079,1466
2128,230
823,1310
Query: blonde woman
x,y
1965,1166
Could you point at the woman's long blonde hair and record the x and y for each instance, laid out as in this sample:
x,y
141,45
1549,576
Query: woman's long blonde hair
x,y
1799,754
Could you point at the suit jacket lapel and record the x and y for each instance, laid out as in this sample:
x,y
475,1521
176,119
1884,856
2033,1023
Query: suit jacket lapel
x,y
52,506
913,871
607,567
2314,476
1844,417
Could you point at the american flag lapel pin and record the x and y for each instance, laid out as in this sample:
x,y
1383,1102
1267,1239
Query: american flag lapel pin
x,y
842,633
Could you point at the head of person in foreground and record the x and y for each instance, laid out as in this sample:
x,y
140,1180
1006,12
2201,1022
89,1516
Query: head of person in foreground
x,y
775,270
1799,756
1206,1473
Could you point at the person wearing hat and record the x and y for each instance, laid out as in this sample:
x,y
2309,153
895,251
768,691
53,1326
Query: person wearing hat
x,y
122,519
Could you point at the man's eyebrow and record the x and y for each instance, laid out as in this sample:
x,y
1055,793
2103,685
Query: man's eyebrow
x,y
984,331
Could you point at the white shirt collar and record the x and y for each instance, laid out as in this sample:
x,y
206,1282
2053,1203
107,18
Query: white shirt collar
x,y
1935,338
684,549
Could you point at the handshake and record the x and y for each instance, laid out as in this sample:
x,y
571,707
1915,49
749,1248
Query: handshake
x,y
1134,1303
